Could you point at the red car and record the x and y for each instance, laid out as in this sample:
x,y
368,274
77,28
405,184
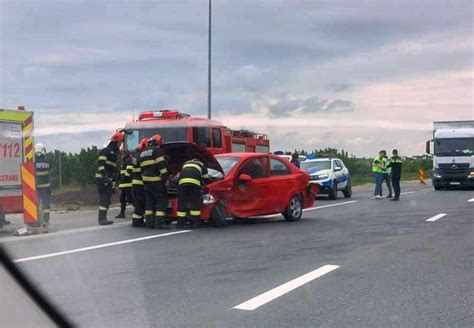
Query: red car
x,y
244,184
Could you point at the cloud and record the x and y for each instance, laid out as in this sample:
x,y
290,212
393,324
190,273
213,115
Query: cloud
x,y
308,105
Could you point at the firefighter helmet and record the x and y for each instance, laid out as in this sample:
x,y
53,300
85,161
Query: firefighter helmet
x,y
117,136
142,145
156,140
40,149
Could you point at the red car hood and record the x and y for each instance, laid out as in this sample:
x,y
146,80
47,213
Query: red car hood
x,y
177,153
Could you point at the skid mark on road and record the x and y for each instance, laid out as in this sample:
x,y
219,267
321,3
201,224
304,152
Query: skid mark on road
x,y
281,290
84,249
436,217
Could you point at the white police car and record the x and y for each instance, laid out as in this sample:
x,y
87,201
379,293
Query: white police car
x,y
330,174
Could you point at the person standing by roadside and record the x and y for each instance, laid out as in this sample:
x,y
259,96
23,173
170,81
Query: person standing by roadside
x,y
378,169
125,183
42,184
295,159
137,186
105,175
396,173
386,174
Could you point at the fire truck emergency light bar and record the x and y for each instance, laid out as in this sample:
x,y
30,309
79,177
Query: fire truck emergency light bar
x,y
162,114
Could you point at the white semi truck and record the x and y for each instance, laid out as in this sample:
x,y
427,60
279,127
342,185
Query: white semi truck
x,y
452,148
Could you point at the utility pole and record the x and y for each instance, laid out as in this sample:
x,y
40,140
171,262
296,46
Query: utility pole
x,y
60,172
209,113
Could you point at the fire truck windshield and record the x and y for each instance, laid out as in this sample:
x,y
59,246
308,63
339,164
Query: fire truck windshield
x,y
168,134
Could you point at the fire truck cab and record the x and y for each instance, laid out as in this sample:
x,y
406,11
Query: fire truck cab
x,y
173,125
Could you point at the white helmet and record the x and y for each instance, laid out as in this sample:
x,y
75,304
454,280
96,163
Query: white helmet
x,y
40,149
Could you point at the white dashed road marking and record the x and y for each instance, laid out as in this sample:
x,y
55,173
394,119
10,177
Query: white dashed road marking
x,y
436,217
281,290
84,249
471,200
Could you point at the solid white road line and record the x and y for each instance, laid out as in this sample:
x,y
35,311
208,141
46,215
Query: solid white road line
x,y
471,200
407,192
281,290
84,249
425,190
436,217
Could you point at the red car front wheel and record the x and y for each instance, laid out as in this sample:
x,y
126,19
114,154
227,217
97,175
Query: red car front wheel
x,y
294,209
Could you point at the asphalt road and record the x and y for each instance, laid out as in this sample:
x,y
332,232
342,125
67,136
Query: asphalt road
x,y
347,263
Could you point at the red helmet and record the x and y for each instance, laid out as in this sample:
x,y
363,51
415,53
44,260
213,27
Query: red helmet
x,y
117,136
156,139
142,145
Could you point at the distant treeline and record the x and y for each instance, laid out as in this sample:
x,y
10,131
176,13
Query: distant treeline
x,y
79,169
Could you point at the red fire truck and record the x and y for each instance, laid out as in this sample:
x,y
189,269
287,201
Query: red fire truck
x,y
174,125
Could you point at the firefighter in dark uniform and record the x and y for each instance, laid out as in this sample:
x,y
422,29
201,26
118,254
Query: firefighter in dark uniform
x,y
191,179
125,183
42,183
396,173
137,186
154,175
105,175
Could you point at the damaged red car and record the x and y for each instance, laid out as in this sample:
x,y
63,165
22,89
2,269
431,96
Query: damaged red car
x,y
243,184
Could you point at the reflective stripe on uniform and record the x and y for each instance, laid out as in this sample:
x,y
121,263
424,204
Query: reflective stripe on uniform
x,y
43,173
181,214
136,170
137,182
44,185
163,171
125,185
102,158
151,179
195,213
123,171
129,167
46,210
189,180
160,213
148,212
98,175
136,216
205,176
159,159
101,168
147,163
197,167
110,163
102,208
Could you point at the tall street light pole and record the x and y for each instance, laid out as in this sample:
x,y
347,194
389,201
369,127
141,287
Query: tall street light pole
x,y
209,114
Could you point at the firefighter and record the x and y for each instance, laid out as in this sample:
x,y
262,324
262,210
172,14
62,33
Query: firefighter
x,y
42,184
137,186
154,175
105,175
191,179
125,183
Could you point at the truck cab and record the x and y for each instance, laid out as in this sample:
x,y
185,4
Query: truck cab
x,y
453,154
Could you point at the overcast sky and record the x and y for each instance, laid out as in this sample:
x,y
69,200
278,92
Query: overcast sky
x,y
359,75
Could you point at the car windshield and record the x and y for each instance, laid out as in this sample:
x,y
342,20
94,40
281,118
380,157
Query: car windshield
x,y
227,164
316,166
454,147
169,134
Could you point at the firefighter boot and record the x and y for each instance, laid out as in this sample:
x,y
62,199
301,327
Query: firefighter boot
x,y
46,219
194,222
150,221
180,223
103,218
121,215
137,221
160,223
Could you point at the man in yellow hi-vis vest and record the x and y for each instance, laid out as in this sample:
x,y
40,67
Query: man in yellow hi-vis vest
x,y
378,169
